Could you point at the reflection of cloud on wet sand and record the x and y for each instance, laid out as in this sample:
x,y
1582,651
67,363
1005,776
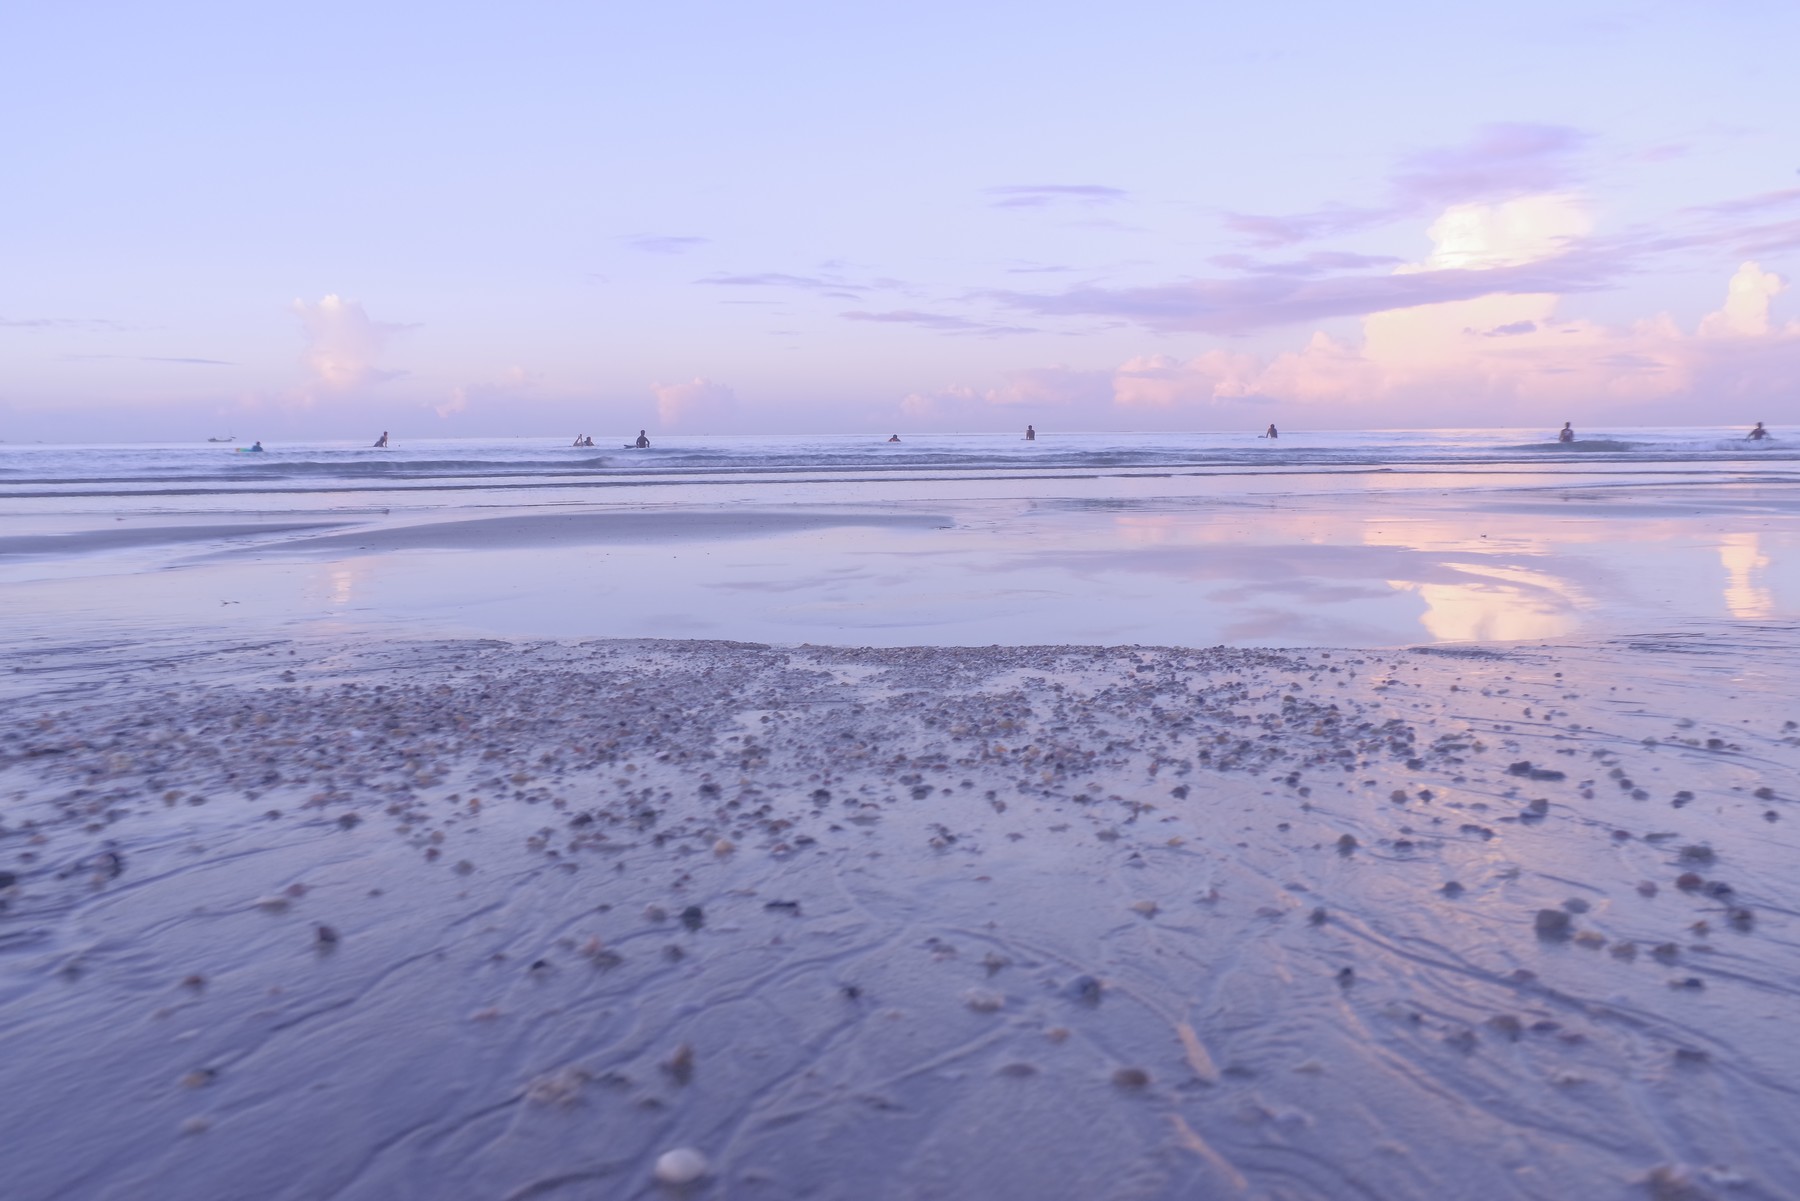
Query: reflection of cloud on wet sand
x,y
1746,568
1464,596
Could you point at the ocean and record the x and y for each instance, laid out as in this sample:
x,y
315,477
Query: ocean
x,y
162,474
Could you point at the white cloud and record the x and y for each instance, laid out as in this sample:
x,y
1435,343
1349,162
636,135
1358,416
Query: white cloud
x,y
1746,311
342,343
699,403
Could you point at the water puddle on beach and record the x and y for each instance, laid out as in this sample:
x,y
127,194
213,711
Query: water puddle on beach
x,y
1379,570
371,918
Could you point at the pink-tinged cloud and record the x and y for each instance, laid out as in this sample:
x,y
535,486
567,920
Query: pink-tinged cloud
x,y
1500,162
698,405
513,385
1236,306
342,343
1497,359
1490,359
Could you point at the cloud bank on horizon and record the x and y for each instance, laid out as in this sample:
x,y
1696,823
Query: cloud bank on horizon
x,y
1230,224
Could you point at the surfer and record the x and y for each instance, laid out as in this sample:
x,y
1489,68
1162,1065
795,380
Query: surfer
x,y
1757,434
381,442
1272,431
256,447
1030,434
580,440
1566,434
893,437
643,441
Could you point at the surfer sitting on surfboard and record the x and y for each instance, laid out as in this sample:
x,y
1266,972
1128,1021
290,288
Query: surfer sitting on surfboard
x,y
643,441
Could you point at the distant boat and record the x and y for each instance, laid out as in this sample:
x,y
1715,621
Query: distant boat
x,y
221,439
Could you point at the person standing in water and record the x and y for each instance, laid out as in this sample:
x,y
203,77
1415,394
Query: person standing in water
x,y
1566,434
643,441
1272,432
1030,434
1757,434
381,442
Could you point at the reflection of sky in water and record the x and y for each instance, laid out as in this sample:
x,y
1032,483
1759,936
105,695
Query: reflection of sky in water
x,y
1236,569
1746,569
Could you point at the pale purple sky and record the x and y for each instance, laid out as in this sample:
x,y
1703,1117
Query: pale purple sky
x,y
454,219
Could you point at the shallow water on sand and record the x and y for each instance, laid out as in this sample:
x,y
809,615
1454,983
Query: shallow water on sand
x,y
1369,567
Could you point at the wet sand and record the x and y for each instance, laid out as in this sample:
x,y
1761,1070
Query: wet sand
x,y
337,916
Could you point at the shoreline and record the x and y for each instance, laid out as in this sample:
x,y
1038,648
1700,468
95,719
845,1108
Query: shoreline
x,y
1190,910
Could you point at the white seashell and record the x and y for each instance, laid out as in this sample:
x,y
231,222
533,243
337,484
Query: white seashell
x,y
684,1165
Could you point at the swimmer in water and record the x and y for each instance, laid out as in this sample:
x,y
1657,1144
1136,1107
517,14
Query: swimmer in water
x,y
1030,434
1757,434
381,442
1272,431
1566,434
893,437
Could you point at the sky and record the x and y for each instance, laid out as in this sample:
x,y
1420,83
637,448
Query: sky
x,y
326,219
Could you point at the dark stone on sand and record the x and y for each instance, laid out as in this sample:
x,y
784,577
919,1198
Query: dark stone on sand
x,y
1689,881
1576,905
1085,990
1131,1078
1316,917
1346,977
1179,792
791,907
1666,952
1346,843
693,917
1741,919
1553,925
325,936
1697,853
1452,889
1525,770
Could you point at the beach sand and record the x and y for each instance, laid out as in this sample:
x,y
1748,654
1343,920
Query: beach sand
x,y
341,915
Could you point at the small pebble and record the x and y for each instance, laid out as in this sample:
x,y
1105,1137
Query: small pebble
x,y
1131,1078
984,1000
684,1165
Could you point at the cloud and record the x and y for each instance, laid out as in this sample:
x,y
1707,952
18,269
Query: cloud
x,y
1746,311
943,323
342,343
1057,387
1501,162
1529,245
99,325
1269,231
511,386
1539,363
1019,196
665,243
698,403
1317,263
1763,202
